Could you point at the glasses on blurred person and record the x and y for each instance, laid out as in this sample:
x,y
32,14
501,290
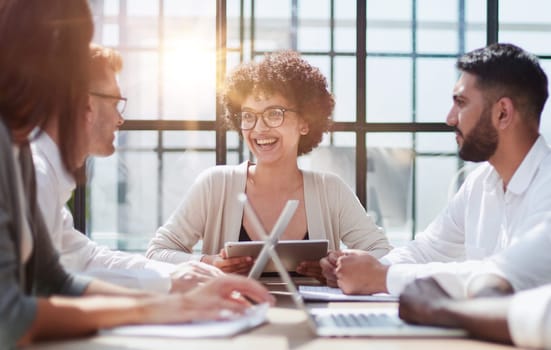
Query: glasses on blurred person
x,y
121,101
272,117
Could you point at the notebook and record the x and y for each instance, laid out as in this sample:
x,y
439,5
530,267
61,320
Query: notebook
x,y
331,322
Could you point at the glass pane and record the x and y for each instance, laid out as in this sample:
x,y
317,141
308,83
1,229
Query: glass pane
x,y
142,8
475,11
535,41
545,123
232,139
190,34
389,189
313,26
526,11
437,40
272,25
437,11
134,140
389,10
435,80
475,38
110,7
313,35
389,182
389,139
141,32
338,157
475,16
437,26
232,23
190,139
389,102
193,8
232,61
434,177
140,83
345,89
345,37
436,142
110,35
180,169
124,190
345,10
345,25
527,24
123,199
189,84
384,38
389,26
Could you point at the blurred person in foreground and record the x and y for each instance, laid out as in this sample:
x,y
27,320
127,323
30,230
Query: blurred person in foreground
x,y
44,73
522,319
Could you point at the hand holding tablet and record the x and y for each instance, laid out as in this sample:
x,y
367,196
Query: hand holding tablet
x,y
291,253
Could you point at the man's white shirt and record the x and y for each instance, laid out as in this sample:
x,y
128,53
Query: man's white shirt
x,y
77,252
529,318
482,225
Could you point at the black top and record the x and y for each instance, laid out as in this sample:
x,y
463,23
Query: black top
x,y
244,236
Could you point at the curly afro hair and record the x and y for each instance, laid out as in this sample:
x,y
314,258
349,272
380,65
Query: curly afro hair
x,y
287,74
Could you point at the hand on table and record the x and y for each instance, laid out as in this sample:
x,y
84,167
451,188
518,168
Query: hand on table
x,y
216,299
191,274
360,273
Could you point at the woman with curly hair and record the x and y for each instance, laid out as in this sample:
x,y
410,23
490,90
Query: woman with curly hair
x,y
282,107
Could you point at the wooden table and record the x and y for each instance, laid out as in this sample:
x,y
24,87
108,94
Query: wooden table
x,y
286,329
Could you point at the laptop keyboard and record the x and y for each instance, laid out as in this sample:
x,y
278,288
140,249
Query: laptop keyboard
x,y
355,320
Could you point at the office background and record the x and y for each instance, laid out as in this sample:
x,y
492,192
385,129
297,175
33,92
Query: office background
x,y
390,64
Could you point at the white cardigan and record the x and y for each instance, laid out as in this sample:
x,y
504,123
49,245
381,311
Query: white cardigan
x,y
211,212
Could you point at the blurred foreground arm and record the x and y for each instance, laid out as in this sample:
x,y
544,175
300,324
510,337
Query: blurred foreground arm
x,y
523,319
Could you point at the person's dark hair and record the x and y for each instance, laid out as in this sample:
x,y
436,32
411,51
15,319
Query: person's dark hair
x,y
505,70
287,74
44,60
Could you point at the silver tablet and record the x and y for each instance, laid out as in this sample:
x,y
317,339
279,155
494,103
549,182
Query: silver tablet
x,y
291,253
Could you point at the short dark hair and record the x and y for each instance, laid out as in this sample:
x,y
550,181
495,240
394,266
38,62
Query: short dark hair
x,y
287,74
506,70
44,60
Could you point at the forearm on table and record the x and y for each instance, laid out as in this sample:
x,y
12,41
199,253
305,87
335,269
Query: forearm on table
x,y
484,318
97,287
62,317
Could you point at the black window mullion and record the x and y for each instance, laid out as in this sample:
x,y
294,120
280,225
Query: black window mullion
x,y
221,30
361,56
492,21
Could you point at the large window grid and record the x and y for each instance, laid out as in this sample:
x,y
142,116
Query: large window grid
x,y
249,31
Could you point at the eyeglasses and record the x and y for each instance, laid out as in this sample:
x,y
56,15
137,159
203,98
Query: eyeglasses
x,y
272,117
121,101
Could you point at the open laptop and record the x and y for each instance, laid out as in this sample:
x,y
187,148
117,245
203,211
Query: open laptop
x,y
333,322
